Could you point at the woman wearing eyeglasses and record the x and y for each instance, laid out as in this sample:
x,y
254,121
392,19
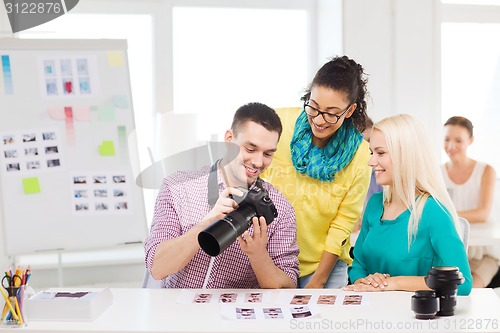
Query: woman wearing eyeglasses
x,y
321,166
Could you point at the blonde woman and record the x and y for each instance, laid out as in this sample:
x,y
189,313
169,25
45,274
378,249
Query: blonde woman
x,y
412,225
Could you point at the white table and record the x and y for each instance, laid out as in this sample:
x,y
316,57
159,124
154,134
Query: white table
x,y
157,310
486,234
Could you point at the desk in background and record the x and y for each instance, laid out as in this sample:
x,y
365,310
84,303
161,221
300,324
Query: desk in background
x,y
157,310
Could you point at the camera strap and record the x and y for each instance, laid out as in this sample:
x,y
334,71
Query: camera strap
x,y
213,186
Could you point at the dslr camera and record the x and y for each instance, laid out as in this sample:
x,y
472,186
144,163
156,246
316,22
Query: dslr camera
x,y
222,233
441,301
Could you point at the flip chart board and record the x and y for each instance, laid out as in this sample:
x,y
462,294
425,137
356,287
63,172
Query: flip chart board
x,y
66,116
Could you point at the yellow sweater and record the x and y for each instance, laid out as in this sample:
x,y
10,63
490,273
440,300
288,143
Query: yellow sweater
x,y
326,211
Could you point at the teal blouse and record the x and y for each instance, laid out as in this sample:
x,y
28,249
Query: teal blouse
x,y
382,245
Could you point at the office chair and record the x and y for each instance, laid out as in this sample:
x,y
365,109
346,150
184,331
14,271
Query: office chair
x,y
495,282
464,231
465,226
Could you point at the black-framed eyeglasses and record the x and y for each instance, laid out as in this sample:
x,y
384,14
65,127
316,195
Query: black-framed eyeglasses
x,y
328,117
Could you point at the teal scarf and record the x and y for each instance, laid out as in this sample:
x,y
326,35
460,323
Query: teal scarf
x,y
323,163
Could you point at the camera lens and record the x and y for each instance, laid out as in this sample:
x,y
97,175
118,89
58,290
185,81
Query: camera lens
x,y
445,281
218,236
425,304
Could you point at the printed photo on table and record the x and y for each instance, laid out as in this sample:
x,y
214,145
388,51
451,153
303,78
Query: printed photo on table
x,y
202,298
228,298
327,299
253,297
273,313
300,312
242,313
352,299
300,299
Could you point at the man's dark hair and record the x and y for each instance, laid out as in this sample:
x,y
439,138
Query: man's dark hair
x,y
258,113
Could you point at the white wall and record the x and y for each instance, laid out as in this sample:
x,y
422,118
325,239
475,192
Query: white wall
x,y
397,41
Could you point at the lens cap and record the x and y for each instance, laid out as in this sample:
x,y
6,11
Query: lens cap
x,y
444,277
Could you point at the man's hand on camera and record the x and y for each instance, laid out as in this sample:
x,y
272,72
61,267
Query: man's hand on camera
x,y
225,204
255,244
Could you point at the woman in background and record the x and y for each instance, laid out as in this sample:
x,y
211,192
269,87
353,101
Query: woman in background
x,y
320,166
412,225
471,186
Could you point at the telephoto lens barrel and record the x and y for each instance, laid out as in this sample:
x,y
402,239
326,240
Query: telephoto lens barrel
x,y
218,236
445,281
221,234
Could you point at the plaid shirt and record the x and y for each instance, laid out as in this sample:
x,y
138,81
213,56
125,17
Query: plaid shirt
x,y
183,201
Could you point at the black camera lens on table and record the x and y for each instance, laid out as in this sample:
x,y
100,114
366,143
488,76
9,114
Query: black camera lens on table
x,y
218,236
444,280
425,304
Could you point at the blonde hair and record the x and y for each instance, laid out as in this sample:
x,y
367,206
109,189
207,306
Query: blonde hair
x,y
415,169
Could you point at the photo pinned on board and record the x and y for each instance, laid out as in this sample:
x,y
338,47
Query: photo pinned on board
x,y
121,206
29,137
81,194
51,87
82,67
31,151
100,193
118,193
13,167
101,206
53,163
11,153
84,84
49,67
79,180
66,67
51,150
119,179
82,207
30,165
99,179
8,140
49,136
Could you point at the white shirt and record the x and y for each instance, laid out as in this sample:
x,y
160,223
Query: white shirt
x,y
465,197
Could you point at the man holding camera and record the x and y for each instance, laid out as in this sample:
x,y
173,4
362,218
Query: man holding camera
x,y
265,256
